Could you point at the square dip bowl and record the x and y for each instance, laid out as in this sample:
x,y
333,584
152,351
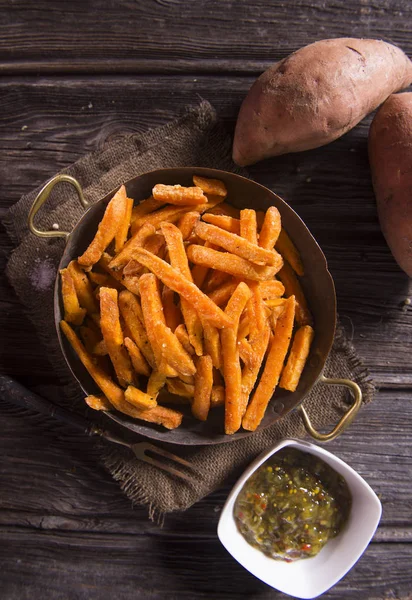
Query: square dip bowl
x,y
308,577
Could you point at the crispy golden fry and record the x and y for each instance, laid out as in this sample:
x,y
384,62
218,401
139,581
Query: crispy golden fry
x,y
187,224
293,288
203,387
271,289
179,388
256,311
83,287
168,417
156,382
230,263
98,402
178,195
121,235
112,392
221,294
172,350
215,280
133,317
100,349
270,229
113,336
178,260
236,245
137,241
108,227
139,399
250,372
275,302
171,311
273,367
73,313
231,364
182,286
244,326
248,225
225,209
210,186
138,360
298,355
218,396
105,280
183,337
288,250
212,344
144,208
223,221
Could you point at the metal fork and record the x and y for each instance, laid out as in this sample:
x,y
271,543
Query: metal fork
x,y
16,393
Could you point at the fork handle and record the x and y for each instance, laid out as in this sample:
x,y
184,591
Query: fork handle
x,y
13,391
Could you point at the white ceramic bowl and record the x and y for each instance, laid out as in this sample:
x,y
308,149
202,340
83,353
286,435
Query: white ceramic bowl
x,y
309,577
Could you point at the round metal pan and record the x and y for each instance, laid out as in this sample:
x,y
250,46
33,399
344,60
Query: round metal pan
x,y
317,284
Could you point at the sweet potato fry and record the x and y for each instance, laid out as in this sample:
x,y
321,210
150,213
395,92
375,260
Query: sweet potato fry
x,y
221,295
215,280
248,225
271,289
298,355
112,391
178,195
113,336
139,399
138,360
293,288
237,245
270,229
137,241
288,250
144,208
272,369
183,337
251,370
231,364
203,387
178,260
179,388
187,223
100,349
223,221
160,415
247,354
225,209
121,234
210,186
108,227
83,287
105,280
171,311
131,312
212,344
98,402
156,382
73,313
218,396
230,263
182,286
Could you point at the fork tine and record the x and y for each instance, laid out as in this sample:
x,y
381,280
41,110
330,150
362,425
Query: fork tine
x,y
147,446
140,453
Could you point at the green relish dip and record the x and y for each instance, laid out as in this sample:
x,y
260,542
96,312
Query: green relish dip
x,y
292,505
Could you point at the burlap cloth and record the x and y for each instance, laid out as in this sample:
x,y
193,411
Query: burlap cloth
x,y
194,139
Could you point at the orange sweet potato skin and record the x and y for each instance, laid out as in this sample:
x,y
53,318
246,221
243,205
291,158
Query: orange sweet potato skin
x,y
315,95
390,157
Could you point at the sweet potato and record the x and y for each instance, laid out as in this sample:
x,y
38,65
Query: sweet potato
x,y
390,156
315,95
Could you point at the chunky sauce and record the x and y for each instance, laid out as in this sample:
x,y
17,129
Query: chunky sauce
x,y
292,505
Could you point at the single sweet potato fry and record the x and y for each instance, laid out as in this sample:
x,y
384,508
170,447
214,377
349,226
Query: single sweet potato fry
x,y
231,364
272,369
144,208
139,399
236,245
298,355
293,288
221,295
131,312
248,225
223,221
187,223
270,229
250,371
171,311
180,388
105,280
108,227
138,360
98,402
182,286
113,336
203,387
230,263
155,383
212,344
288,250
216,187
271,289
183,337
178,195
83,287
121,235
73,313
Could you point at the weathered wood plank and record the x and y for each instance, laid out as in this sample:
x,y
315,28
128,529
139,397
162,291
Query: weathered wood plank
x,y
52,122
157,36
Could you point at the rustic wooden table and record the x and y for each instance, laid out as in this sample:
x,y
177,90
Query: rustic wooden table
x,y
75,73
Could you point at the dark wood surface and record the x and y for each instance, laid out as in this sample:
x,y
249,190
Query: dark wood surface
x,y
74,74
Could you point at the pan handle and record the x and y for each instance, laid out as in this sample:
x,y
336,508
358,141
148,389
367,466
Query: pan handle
x,y
41,198
344,421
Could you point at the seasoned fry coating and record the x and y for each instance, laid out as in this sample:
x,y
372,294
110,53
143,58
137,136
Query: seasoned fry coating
x,y
139,399
98,402
270,229
210,186
121,235
83,287
203,387
288,250
248,225
138,361
297,358
73,313
293,287
223,221
179,195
